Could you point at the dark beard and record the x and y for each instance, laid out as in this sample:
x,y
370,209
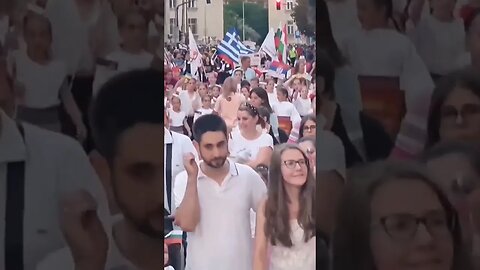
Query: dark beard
x,y
143,226
216,163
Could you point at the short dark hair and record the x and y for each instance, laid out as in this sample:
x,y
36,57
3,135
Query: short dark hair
x,y
245,83
282,90
208,123
466,78
124,101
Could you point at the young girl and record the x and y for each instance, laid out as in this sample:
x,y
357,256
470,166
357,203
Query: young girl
x,y
131,55
205,109
438,36
303,103
285,221
285,110
178,117
41,81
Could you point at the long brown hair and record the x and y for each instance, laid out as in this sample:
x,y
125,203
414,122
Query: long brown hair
x,y
277,225
352,234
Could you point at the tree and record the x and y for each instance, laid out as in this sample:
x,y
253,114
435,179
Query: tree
x,y
302,13
256,19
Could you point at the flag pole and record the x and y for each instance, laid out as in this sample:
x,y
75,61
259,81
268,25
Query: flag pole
x,y
243,20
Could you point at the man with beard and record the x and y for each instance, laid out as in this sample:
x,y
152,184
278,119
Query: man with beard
x,y
129,142
215,210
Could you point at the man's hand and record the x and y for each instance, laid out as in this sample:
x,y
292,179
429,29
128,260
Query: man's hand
x,y
83,231
190,165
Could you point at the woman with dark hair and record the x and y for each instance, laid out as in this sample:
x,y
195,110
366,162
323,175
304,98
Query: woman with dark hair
x,y
376,142
381,54
286,220
455,109
456,168
393,216
249,144
308,127
281,137
259,98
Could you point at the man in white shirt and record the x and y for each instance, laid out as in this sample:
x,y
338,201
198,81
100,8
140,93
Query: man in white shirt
x,y
130,147
38,170
215,210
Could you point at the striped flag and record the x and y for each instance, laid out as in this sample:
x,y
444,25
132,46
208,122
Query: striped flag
x,y
174,237
230,48
281,43
278,69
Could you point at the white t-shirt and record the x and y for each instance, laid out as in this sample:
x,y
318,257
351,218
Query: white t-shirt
x,y
126,61
287,109
222,240
189,104
439,43
42,82
201,112
248,149
272,98
303,106
176,118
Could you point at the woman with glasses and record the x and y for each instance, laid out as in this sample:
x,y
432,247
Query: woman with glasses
x,y
455,109
393,216
456,168
285,230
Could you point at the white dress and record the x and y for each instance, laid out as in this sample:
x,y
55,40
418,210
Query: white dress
x,y
300,256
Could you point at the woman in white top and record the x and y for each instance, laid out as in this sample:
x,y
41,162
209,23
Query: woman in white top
x,y
41,80
285,108
438,36
285,230
250,145
272,93
380,51
178,118
132,53
472,57
303,103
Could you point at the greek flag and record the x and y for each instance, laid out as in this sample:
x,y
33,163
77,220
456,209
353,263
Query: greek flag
x,y
231,48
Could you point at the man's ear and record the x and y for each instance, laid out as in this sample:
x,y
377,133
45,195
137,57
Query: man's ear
x,y
197,146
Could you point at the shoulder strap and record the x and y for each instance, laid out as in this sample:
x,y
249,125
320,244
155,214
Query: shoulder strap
x,y
14,214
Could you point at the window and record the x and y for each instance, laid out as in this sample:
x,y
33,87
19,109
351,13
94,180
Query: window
x,y
289,5
173,4
172,26
192,23
290,28
192,4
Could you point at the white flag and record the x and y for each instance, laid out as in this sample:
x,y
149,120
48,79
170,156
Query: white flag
x,y
195,55
268,45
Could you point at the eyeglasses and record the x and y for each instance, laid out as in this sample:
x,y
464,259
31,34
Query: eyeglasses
x,y
404,227
450,114
291,164
310,128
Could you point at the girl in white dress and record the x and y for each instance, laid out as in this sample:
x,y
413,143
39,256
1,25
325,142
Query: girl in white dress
x,y
285,231
380,51
438,36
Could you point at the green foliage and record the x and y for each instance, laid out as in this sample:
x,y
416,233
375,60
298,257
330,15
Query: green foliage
x,y
303,17
256,20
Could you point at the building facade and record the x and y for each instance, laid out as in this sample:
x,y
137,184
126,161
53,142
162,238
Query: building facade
x,y
205,19
284,16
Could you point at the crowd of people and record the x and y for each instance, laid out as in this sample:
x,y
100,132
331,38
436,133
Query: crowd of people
x,y
395,92
364,155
